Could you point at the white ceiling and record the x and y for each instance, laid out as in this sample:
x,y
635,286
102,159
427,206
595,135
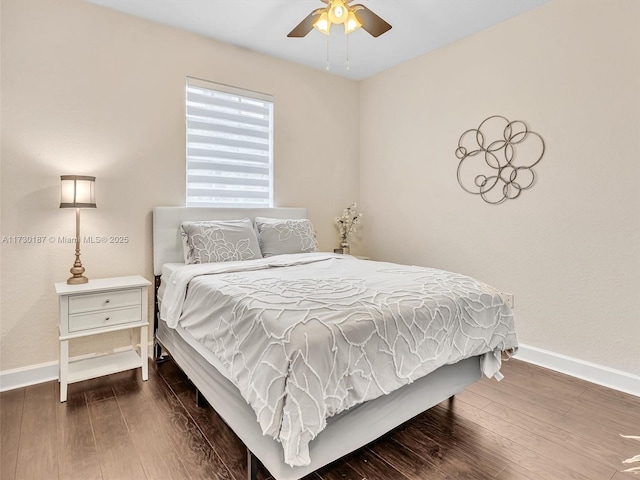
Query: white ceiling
x,y
419,26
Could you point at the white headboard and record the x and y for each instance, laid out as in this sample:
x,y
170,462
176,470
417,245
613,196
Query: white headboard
x,y
167,244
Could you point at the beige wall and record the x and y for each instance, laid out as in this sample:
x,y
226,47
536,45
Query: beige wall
x,y
87,90
569,248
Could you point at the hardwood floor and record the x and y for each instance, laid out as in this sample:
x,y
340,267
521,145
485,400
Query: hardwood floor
x,y
535,424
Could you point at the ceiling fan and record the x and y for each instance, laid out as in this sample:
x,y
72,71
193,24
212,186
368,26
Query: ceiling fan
x,y
339,11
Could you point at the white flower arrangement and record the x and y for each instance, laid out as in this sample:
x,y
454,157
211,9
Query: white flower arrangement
x,y
634,470
348,222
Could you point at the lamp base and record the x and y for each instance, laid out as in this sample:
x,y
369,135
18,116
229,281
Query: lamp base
x,y
77,280
77,270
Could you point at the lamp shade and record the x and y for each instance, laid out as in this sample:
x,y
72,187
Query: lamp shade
x,y
352,23
78,191
338,11
322,24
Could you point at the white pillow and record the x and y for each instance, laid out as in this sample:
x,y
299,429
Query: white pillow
x,y
219,241
278,236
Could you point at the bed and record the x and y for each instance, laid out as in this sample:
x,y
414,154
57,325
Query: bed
x,y
273,392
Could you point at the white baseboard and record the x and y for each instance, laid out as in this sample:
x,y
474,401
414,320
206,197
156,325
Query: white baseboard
x,y
591,372
42,372
25,376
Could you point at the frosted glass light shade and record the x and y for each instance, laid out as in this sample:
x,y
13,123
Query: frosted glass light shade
x,y
352,24
322,24
338,11
77,191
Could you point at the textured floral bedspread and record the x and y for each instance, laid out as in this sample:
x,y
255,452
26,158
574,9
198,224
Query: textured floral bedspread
x,y
307,336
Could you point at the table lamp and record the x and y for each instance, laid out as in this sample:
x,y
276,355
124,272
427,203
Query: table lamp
x,y
78,191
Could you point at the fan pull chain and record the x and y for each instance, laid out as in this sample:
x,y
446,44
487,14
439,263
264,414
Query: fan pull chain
x,y
347,52
328,66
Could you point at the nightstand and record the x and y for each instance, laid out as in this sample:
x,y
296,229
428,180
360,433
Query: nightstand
x,y
101,306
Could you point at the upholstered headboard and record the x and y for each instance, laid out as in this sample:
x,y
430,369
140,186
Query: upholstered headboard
x,y
167,244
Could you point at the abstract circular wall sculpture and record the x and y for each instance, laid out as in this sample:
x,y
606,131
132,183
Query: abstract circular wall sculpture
x,y
497,159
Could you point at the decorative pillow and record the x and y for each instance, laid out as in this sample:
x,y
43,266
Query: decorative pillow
x,y
279,236
219,241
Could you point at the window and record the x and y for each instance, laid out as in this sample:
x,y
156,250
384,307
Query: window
x,y
229,146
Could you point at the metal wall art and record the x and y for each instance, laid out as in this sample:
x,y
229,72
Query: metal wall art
x,y
497,159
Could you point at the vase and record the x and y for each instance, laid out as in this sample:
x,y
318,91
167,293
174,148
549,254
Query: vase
x,y
345,247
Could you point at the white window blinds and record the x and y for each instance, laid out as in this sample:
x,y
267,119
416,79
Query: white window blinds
x,y
229,146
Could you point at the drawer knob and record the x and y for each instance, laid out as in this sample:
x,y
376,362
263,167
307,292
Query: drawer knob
x,y
107,301
106,319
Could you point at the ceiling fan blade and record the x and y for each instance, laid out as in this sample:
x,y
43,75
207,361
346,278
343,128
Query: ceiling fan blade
x,y
306,25
371,22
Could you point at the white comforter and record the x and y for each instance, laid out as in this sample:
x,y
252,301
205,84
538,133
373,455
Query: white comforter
x,y
307,336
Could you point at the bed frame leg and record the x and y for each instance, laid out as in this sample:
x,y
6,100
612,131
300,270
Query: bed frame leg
x,y
157,352
201,402
157,348
252,466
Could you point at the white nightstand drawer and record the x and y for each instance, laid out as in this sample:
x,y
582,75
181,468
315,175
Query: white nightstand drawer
x,y
101,301
105,318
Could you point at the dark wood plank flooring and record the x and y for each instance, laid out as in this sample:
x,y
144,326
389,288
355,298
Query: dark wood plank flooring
x,y
535,424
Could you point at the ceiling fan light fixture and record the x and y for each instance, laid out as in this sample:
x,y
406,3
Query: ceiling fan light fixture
x,y
338,11
334,12
352,24
322,24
